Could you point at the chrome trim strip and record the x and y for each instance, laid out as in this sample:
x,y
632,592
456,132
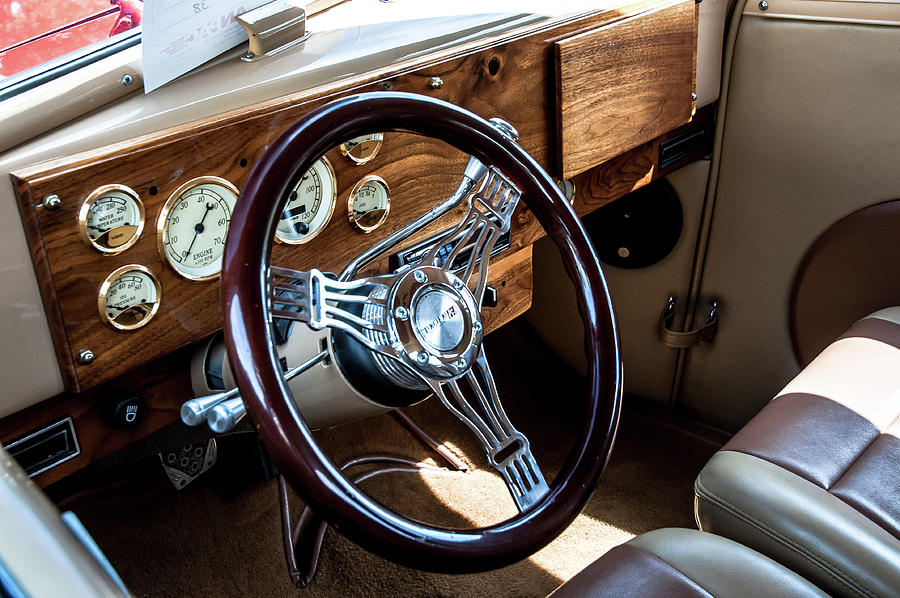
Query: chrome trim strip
x,y
66,64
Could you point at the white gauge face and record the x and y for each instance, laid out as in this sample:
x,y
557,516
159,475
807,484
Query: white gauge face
x,y
193,225
111,219
309,205
129,297
369,203
362,149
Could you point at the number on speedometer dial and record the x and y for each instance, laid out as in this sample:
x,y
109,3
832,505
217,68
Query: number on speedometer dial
x,y
309,205
193,224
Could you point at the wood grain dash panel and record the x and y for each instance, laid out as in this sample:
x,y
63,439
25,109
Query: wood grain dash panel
x,y
623,84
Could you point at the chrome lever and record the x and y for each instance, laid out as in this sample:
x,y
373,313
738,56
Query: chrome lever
x,y
224,410
194,412
225,416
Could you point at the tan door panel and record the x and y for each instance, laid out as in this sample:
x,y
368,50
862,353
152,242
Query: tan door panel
x,y
810,135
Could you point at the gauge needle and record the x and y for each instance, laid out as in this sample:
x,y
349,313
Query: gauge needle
x,y
199,228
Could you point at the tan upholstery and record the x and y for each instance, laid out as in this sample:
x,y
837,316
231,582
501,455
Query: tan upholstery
x,y
678,563
814,479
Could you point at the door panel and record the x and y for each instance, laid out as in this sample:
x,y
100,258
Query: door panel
x,y
811,134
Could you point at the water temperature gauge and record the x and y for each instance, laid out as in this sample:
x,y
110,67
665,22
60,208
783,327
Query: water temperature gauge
x,y
111,219
129,297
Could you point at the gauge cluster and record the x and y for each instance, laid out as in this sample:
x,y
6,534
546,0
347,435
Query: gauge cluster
x,y
128,244
192,226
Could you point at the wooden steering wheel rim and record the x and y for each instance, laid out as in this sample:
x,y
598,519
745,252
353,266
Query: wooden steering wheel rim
x,y
257,372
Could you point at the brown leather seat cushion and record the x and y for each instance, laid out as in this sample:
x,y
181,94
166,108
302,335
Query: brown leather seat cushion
x,y
682,563
814,479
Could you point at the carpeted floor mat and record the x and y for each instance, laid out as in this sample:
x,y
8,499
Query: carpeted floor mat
x,y
221,536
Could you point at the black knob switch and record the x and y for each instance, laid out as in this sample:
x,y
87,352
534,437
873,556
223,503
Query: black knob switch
x,y
128,413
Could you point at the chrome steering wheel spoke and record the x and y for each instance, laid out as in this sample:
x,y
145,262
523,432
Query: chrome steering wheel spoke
x,y
314,298
508,450
488,217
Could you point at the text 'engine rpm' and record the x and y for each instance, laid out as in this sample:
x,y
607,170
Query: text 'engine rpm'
x,y
194,227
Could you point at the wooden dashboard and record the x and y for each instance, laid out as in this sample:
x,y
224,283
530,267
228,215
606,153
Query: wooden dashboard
x,y
592,98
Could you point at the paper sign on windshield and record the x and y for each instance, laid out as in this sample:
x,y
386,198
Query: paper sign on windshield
x,y
180,35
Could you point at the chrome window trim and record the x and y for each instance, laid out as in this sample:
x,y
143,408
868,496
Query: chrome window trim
x,y
34,77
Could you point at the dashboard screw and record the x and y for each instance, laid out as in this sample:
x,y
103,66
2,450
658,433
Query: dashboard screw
x,y
461,362
85,357
52,202
419,276
693,97
401,313
435,83
476,326
458,284
763,5
127,80
422,357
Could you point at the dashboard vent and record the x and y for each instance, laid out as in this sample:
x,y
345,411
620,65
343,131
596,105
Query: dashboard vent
x,y
46,447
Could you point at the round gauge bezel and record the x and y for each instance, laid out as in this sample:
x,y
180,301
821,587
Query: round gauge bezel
x,y
566,186
104,290
353,192
85,209
331,203
164,216
360,161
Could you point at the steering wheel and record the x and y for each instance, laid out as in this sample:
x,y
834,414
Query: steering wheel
x,y
424,320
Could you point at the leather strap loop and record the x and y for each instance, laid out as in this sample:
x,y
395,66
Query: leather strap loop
x,y
688,338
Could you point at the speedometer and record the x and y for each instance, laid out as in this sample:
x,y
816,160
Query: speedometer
x,y
193,224
309,205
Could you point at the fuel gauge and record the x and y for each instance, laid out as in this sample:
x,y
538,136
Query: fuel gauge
x,y
129,297
363,149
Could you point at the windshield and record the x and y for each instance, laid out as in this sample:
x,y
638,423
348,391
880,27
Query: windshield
x,y
34,32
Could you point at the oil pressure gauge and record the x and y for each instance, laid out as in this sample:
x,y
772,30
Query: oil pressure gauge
x,y
309,205
129,297
193,224
111,219
369,203
362,149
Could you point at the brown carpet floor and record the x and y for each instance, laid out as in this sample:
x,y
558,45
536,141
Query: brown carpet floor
x,y
221,536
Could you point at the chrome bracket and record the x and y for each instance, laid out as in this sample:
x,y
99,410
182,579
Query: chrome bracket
x,y
272,28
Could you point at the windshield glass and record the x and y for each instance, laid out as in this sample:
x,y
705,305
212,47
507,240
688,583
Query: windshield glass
x,y
34,32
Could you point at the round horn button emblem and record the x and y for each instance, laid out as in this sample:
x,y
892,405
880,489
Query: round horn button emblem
x,y
438,320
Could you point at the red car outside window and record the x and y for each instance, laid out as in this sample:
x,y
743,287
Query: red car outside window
x,y
33,32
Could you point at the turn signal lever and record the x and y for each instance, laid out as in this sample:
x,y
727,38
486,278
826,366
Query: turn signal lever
x,y
224,410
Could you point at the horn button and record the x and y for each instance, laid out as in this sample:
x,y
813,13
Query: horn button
x,y
436,322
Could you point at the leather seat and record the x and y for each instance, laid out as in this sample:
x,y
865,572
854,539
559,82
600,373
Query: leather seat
x,y
813,481
683,563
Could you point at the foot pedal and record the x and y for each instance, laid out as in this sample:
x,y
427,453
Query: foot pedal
x,y
185,465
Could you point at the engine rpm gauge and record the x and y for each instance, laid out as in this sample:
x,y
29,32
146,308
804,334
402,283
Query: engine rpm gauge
x,y
193,224
111,219
309,205
129,297
369,203
362,149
